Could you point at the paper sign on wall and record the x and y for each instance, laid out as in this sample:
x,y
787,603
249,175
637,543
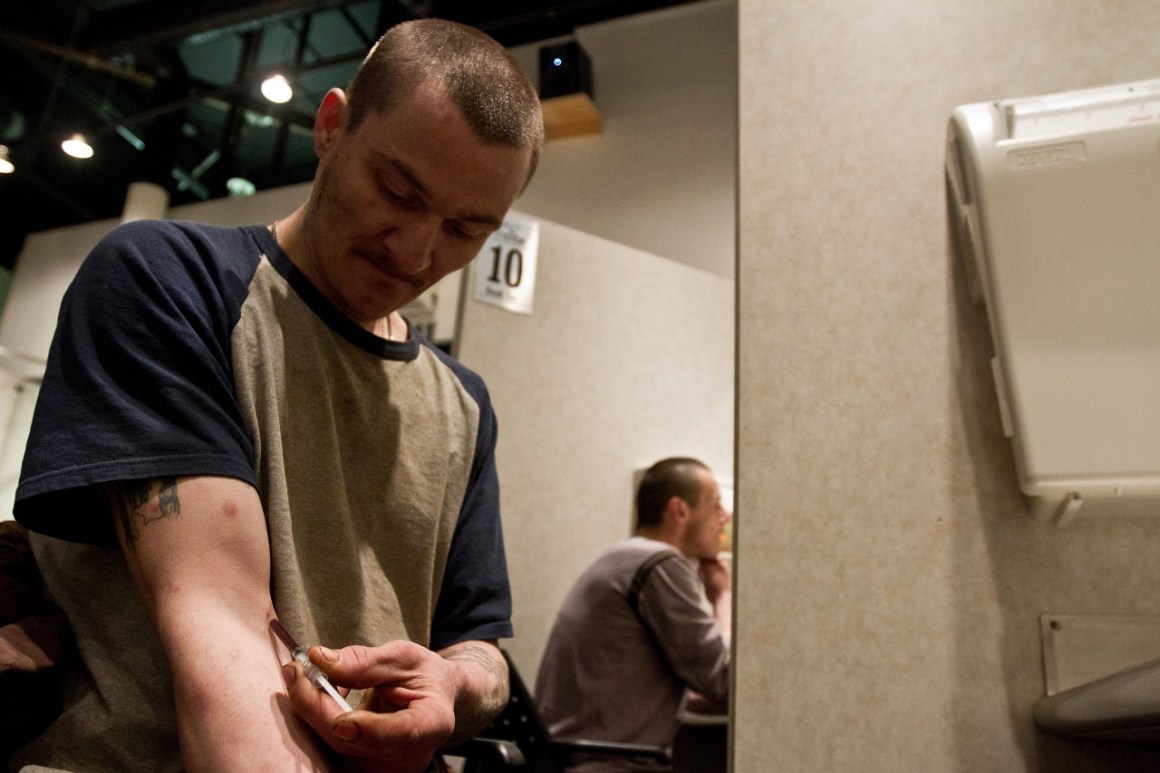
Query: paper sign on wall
x,y
505,269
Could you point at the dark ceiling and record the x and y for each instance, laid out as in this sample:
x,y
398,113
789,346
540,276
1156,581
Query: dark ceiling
x,y
168,90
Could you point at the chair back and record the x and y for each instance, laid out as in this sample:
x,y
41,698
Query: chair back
x,y
520,723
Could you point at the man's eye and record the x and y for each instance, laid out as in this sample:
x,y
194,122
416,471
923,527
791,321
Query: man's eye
x,y
402,200
397,197
461,231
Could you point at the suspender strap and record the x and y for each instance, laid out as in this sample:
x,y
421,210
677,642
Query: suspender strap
x,y
642,574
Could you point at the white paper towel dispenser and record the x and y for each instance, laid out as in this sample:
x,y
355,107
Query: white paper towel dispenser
x,y
1056,208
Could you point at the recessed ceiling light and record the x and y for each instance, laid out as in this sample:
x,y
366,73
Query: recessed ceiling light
x,y
77,146
277,89
6,165
240,186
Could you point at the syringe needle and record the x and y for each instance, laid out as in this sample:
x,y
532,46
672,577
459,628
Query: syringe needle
x,y
313,672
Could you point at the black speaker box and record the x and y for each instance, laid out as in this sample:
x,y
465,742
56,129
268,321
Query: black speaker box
x,y
564,69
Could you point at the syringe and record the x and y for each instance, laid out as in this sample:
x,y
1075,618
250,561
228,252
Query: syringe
x,y
313,672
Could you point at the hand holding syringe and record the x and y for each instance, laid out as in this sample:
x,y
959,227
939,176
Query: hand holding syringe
x,y
313,672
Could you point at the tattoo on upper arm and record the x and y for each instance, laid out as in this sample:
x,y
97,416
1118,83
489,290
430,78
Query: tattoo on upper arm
x,y
167,501
135,507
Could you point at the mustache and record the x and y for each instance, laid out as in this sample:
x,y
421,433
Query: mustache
x,y
385,261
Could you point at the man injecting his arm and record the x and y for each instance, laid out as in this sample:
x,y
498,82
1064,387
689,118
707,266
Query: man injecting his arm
x,y
237,424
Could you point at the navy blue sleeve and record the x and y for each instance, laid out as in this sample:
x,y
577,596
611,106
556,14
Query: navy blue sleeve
x,y
475,600
139,381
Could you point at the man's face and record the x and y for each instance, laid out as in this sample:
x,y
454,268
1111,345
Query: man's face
x,y
707,520
403,200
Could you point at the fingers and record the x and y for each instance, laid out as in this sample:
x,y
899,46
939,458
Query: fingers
x,y
403,741
310,703
413,712
426,724
363,667
712,572
716,579
356,733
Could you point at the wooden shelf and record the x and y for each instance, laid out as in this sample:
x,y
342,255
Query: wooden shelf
x,y
572,115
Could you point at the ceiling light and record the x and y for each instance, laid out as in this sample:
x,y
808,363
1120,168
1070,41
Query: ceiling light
x,y
277,89
6,165
240,186
77,146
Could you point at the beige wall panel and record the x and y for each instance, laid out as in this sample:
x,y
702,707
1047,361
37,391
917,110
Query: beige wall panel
x,y
627,358
889,576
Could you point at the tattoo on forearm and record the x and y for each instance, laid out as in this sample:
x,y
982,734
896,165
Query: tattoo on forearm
x,y
135,506
497,669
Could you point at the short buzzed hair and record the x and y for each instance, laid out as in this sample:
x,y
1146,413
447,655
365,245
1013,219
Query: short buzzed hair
x,y
668,478
491,90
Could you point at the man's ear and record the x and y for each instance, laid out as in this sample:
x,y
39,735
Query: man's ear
x,y
330,118
677,510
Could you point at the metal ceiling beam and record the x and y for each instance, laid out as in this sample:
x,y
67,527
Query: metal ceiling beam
x,y
67,54
516,22
227,93
151,22
511,22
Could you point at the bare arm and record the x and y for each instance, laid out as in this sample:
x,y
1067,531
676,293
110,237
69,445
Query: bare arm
x,y
199,554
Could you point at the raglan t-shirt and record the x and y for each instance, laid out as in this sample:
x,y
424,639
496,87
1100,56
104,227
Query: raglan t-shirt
x,y
184,349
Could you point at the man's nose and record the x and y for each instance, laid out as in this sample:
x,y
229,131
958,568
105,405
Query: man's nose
x,y
412,243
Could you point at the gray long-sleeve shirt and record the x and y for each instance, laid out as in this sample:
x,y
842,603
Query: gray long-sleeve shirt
x,y
611,674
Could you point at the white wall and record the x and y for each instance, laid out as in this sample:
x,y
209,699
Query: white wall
x,y
43,271
17,400
890,579
662,177
627,358
49,260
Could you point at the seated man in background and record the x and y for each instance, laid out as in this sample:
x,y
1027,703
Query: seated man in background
x,y
633,636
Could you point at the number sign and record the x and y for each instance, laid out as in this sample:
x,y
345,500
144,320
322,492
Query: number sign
x,y
505,269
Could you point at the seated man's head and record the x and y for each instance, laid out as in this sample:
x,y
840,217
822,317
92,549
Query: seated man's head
x,y
678,501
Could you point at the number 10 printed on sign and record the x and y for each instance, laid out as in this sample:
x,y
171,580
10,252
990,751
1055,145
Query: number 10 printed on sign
x,y
505,269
